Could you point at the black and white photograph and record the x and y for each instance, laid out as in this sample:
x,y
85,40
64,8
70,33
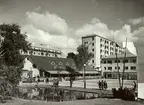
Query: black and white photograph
x,y
71,52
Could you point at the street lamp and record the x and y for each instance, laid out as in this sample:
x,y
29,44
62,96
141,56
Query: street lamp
x,y
84,76
84,80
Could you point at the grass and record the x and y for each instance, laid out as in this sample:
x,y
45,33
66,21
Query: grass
x,y
17,101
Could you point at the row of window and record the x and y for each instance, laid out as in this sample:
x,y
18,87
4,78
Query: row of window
x,y
119,61
126,68
38,53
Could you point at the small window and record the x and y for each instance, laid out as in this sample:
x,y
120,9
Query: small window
x,y
52,63
125,61
104,62
133,67
105,68
101,45
92,49
60,63
109,68
92,61
126,68
92,44
117,61
109,61
92,38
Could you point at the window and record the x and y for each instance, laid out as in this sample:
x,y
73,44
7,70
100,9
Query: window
x,y
117,61
101,56
92,38
60,63
104,62
133,67
109,68
109,61
52,63
125,61
42,53
101,50
126,68
117,68
92,49
101,40
101,45
92,61
133,61
105,68
92,44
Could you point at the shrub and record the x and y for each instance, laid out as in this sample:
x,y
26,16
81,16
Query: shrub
x,y
125,94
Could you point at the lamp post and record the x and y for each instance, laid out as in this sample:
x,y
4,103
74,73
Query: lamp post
x,y
84,76
84,80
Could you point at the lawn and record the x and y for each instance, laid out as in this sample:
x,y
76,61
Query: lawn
x,y
17,101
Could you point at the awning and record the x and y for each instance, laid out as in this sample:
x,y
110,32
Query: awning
x,y
56,72
89,72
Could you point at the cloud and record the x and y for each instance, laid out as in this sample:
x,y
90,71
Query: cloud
x,y
47,22
136,21
100,28
94,27
47,28
37,9
65,43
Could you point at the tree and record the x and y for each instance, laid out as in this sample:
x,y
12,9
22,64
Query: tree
x,y
71,55
83,56
14,41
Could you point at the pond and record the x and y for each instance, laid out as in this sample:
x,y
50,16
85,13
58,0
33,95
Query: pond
x,y
53,94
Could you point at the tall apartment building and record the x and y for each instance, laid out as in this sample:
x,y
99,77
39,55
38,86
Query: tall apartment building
x,y
42,50
110,67
100,47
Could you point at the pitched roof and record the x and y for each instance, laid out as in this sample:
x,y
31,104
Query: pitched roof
x,y
52,63
128,55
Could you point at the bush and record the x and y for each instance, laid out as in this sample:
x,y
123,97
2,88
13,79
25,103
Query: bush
x,y
125,94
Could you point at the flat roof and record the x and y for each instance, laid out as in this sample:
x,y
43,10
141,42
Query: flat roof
x,y
95,35
128,55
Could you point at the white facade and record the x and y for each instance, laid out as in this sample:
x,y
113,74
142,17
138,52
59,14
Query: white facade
x,y
110,68
140,65
100,47
28,67
41,50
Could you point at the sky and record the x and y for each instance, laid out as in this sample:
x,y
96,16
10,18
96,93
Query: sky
x,y
62,23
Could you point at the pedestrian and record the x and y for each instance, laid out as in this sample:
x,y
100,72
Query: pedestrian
x,y
102,84
99,84
47,80
105,85
134,85
62,94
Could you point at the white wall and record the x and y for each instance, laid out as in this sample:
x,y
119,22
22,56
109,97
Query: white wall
x,y
140,65
28,66
97,58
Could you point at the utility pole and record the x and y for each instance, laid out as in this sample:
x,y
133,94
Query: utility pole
x,y
117,62
124,63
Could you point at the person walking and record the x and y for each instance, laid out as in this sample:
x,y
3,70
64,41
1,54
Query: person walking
x,y
134,85
105,85
99,85
102,84
47,80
